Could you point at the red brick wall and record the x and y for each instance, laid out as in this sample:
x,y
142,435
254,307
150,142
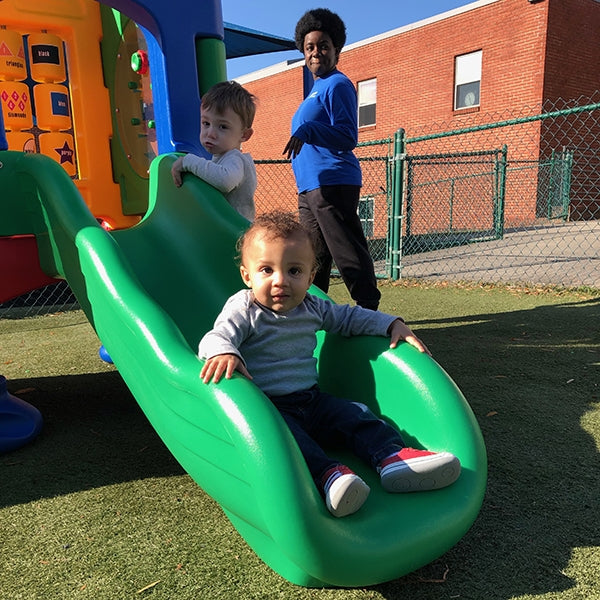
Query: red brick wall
x,y
573,51
415,70
531,51
415,73
572,59
278,96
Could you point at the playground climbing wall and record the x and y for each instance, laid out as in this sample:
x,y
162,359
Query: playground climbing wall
x,y
53,95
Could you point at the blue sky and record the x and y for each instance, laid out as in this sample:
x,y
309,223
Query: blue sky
x,y
363,20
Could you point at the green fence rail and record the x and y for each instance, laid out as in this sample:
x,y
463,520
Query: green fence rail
x,y
548,209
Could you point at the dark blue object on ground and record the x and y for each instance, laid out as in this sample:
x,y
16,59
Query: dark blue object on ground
x,y
19,421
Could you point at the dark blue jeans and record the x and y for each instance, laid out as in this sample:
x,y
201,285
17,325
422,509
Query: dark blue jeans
x,y
316,417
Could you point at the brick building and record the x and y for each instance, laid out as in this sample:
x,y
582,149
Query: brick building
x,y
490,57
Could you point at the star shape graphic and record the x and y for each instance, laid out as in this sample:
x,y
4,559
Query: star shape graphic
x,y
65,153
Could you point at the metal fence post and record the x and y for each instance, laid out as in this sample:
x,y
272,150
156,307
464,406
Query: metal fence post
x,y
500,192
567,166
395,228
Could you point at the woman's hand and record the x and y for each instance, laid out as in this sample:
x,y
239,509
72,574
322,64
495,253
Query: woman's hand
x,y
293,147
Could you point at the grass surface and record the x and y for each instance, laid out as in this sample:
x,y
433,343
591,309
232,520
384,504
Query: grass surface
x,y
97,508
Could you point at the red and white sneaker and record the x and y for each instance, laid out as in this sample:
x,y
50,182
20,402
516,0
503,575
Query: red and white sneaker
x,y
345,492
413,470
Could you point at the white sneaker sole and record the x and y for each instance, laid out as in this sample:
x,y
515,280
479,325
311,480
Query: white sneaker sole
x,y
430,472
346,495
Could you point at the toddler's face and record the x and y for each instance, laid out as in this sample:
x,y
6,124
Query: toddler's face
x,y
279,271
220,133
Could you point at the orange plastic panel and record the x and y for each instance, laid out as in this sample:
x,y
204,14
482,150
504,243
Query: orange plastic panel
x,y
16,105
21,141
47,58
60,147
12,56
52,106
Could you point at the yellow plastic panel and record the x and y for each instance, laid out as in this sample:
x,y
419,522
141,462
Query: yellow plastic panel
x,y
71,30
12,56
46,8
52,106
16,105
59,146
21,141
47,58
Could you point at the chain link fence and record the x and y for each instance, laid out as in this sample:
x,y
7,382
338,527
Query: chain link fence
x,y
56,297
513,197
277,191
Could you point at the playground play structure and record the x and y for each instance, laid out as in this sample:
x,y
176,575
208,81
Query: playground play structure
x,y
86,195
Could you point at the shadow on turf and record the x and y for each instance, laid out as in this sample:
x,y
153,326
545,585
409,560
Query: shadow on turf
x,y
94,434
530,376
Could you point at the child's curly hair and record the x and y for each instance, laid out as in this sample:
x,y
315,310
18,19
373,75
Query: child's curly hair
x,y
321,19
277,225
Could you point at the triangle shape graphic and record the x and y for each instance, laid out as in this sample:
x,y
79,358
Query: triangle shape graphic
x,y
5,50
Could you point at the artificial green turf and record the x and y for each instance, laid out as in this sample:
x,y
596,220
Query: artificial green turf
x,y
97,508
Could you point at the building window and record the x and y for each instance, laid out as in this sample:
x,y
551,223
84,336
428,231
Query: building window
x,y
467,80
367,102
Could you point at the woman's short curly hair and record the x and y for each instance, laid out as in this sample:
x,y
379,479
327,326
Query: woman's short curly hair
x,y
320,19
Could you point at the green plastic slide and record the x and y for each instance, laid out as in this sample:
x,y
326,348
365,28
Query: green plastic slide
x,y
152,291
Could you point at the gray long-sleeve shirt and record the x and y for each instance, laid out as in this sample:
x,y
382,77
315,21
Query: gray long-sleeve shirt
x,y
232,173
278,348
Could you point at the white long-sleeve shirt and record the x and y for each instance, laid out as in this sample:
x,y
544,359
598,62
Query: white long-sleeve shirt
x,y
278,348
232,173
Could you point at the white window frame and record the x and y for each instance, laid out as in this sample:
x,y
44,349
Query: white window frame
x,y
367,102
467,80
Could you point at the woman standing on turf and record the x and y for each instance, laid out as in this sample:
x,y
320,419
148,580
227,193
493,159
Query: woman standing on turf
x,y
328,175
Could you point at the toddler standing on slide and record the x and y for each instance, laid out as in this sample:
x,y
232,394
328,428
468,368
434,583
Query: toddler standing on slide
x,y
267,333
226,116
